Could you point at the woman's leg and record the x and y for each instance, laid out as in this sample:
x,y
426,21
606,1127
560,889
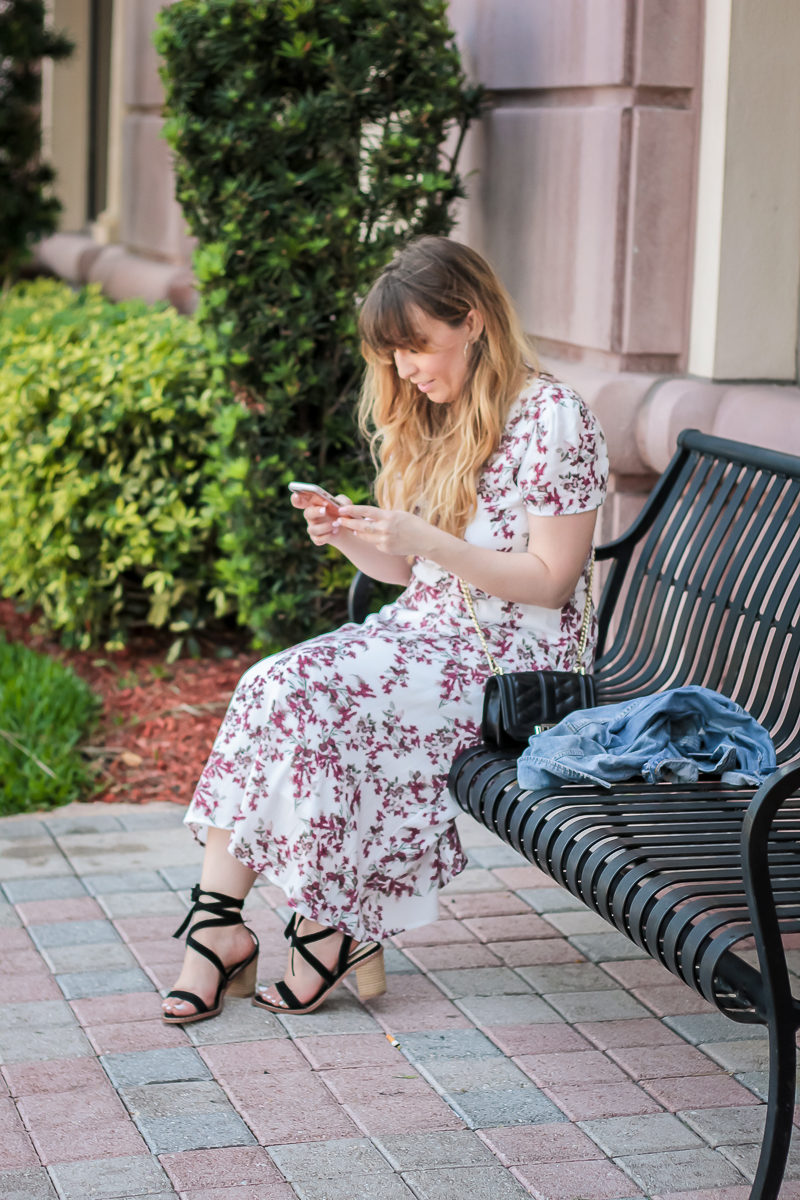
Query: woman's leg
x,y
222,873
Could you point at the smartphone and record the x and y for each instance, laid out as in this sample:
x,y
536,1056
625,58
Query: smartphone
x,y
313,489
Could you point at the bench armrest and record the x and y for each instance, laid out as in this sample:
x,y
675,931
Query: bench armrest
x,y
359,596
756,830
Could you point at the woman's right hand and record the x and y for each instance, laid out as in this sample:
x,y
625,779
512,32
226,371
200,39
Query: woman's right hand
x,y
324,529
322,526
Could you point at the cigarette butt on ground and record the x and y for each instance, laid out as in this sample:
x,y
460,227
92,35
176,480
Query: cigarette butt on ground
x,y
393,1040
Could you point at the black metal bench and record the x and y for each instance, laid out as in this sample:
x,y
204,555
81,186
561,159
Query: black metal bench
x,y
704,589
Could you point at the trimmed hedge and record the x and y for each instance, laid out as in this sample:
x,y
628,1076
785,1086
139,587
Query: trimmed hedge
x,y
105,428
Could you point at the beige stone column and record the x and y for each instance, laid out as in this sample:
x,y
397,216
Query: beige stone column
x,y
106,229
152,223
65,112
149,251
744,322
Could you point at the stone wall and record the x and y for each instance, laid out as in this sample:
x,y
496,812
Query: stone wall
x,y
611,127
592,125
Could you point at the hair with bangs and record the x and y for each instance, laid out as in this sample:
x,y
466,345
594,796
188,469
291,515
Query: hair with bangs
x,y
429,456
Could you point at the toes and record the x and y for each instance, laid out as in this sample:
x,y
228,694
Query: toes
x,y
177,1008
269,996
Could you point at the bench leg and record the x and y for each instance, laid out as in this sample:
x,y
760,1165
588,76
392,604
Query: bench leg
x,y
777,1002
780,1114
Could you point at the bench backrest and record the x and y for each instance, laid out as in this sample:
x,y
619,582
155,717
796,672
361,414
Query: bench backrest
x,y
706,585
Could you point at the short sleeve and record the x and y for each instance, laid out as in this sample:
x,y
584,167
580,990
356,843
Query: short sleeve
x,y
563,466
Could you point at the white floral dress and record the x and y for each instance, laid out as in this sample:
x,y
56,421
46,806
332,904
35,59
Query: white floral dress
x,y
331,763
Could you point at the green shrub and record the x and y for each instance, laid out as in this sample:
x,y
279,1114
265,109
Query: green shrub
x,y
105,419
308,139
45,712
28,209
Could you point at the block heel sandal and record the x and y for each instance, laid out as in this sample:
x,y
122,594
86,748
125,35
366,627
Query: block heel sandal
x,y
238,980
366,961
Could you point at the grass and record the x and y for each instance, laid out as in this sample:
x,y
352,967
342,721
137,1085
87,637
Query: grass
x,y
45,713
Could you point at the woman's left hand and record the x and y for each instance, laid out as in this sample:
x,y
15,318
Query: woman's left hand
x,y
392,532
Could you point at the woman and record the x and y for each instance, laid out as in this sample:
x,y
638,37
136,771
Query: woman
x,y
328,773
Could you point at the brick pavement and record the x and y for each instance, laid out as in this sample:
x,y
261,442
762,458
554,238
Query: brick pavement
x,y
539,1053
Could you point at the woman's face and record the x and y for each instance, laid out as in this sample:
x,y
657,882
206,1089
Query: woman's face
x,y
440,370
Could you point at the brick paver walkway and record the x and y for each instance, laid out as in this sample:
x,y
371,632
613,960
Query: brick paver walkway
x,y
538,1053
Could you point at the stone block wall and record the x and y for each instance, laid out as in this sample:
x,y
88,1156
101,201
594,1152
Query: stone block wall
x,y
592,123
586,199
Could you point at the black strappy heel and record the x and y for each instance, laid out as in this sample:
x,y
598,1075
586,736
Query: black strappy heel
x,y
366,961
239,980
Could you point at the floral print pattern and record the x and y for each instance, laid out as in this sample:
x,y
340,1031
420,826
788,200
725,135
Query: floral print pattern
x,y
330,766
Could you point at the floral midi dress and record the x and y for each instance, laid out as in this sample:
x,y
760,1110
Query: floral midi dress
x,y
331,763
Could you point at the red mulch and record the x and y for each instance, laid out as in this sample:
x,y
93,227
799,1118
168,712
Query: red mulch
x,y
158,720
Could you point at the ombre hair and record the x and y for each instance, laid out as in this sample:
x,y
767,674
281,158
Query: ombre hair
x,y
429,456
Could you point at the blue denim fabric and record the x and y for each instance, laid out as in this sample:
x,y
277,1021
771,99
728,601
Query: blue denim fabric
x,y
675,735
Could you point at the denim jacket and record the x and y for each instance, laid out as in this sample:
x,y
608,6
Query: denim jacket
x,y
675,735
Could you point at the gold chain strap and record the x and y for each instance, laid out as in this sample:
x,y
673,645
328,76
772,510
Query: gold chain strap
x,y
587,604
493,663
495,667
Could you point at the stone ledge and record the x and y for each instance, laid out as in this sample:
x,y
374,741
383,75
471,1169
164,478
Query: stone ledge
x,y
642,415
122,275
68,255
759,414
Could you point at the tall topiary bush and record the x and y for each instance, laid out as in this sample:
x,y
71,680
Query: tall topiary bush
x,y
28,209
308,137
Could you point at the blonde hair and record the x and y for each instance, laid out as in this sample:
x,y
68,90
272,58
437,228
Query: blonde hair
x,y
429,456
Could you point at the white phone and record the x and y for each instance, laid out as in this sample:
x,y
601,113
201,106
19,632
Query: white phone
x,y
313,489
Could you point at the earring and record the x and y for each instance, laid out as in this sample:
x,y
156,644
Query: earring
x,y
466,348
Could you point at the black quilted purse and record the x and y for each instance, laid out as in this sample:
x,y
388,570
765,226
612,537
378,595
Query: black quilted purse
x,y
520,703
